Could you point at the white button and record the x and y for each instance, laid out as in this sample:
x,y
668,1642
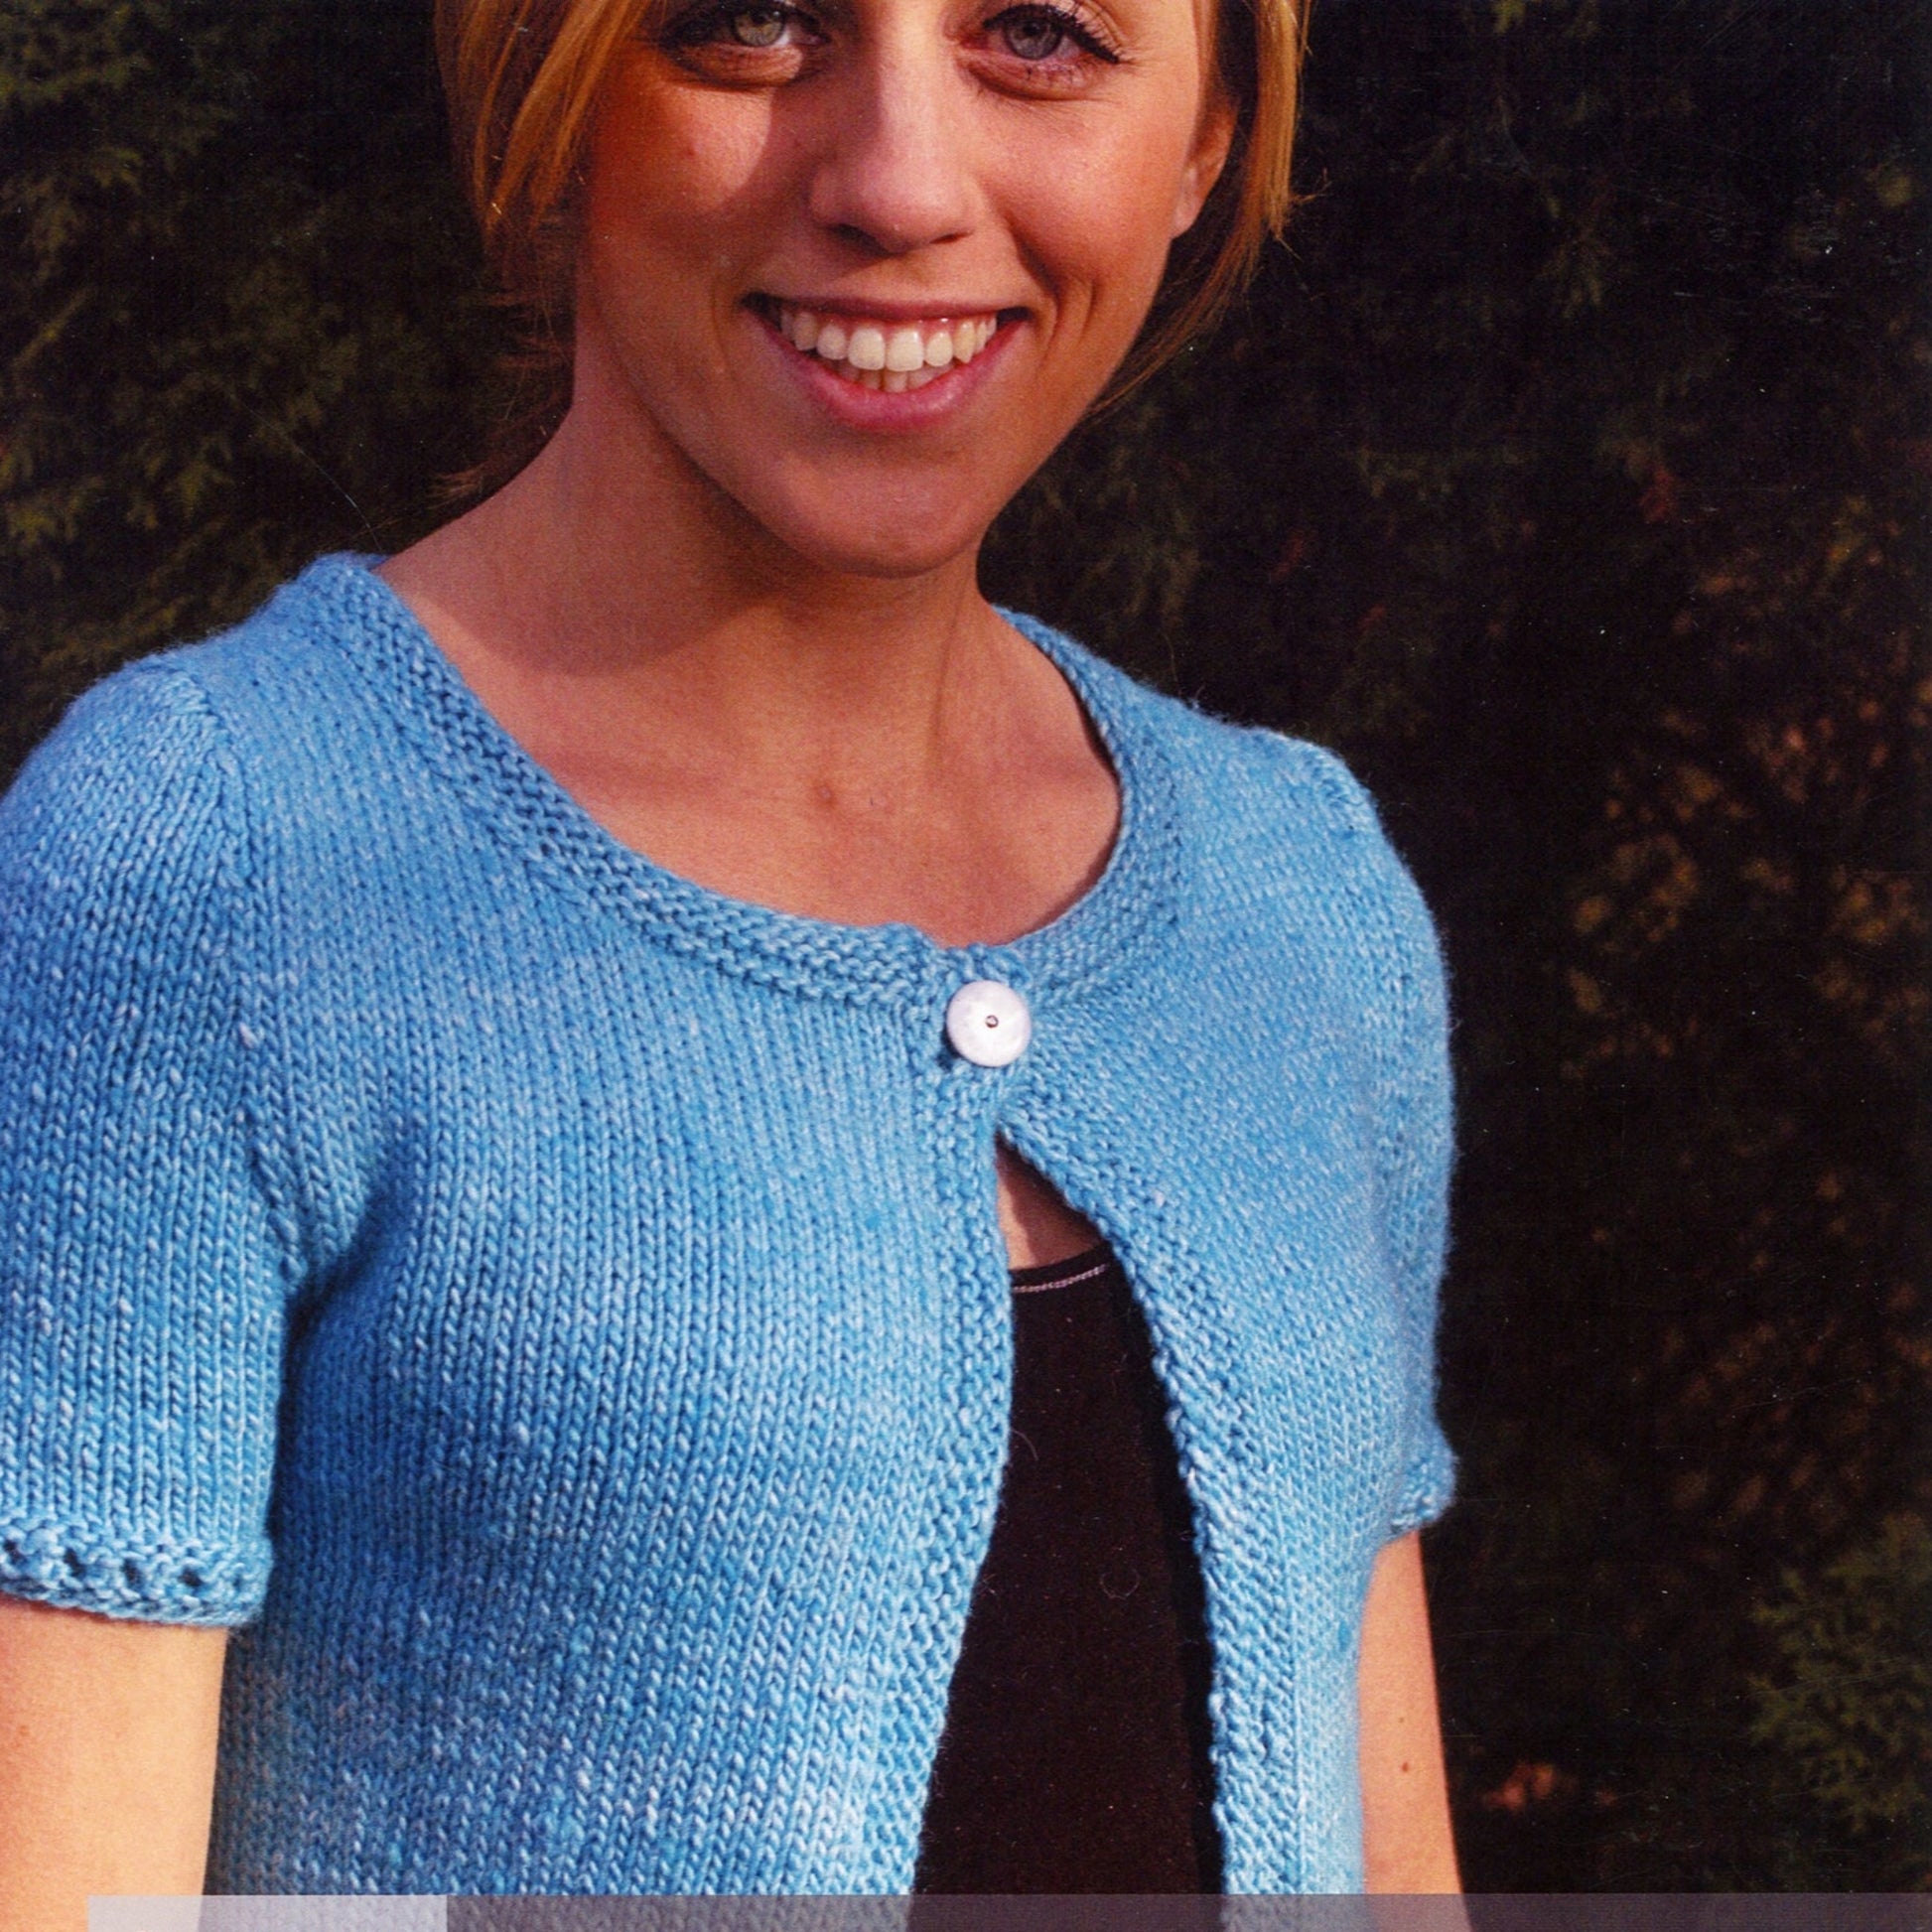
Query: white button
x,y
988,1023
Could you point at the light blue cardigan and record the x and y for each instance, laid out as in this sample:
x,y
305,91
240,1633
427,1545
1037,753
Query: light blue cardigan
x,y
560,1312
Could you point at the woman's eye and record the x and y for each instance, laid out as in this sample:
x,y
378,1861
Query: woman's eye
x,y
757,26
1032,36
1041,34
728,30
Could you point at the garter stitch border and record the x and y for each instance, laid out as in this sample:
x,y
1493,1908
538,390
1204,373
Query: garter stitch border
x,y
1096,938
555,1315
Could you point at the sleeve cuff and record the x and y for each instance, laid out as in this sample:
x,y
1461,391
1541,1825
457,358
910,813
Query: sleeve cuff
x,y
1429,1488
154,1580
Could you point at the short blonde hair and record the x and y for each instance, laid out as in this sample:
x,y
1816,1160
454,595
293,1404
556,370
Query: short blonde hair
x,y
522,77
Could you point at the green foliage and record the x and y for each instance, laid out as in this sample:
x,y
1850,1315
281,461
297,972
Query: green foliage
x,y
244,321
1849,1709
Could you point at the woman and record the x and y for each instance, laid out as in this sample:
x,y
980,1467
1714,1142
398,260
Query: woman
x,y
530,1063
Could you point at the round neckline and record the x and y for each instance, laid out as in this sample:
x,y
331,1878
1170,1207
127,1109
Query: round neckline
x,y
1094,939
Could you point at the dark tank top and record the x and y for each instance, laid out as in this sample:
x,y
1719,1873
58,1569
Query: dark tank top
x,y
1075,1751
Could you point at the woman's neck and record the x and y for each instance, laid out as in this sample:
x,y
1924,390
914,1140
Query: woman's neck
x,y
614,564
860,748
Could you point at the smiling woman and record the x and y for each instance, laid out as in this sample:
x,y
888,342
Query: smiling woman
x,y
1003,184
755,1227
524,77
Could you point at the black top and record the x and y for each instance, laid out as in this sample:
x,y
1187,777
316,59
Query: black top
x,y
1075,1753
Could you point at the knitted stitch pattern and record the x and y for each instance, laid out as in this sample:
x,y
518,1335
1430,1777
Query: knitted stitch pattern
x,y
558,1316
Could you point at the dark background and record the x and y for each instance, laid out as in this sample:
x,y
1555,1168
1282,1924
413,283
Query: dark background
x,y
1567,471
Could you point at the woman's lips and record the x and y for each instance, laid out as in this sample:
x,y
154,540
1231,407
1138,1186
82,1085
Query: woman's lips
x,y
908,396
882,354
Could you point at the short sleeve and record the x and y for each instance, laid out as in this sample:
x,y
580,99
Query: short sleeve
x,y
142,1274
1415,1151
1415,1124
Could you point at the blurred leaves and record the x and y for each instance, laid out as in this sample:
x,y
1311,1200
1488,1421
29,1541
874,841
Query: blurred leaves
x,y
1848,1705
244,321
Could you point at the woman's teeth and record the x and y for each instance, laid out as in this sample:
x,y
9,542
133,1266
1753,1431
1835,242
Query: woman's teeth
x,y
890,355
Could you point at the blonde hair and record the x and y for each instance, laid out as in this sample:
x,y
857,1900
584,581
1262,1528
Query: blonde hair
x,y
522,77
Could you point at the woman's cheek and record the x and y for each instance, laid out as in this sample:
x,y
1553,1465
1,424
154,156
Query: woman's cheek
x,y
1102,214
670,156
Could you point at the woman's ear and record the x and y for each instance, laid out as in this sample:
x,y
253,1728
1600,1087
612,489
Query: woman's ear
x,y
1213,136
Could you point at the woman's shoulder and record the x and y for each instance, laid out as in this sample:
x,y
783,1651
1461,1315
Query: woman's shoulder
x,y
1266,790
171,746
299,663
132,782
1272,833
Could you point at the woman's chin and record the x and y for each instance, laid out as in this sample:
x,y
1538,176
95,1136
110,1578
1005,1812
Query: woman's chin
x,y
890,540
898,562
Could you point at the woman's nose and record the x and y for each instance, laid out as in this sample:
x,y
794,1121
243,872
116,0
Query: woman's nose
x,y
893,168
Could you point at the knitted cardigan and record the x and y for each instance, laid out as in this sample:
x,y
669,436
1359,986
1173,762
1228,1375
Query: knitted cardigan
x,y
558,1315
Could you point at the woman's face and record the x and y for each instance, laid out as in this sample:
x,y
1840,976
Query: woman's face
x,y
861,264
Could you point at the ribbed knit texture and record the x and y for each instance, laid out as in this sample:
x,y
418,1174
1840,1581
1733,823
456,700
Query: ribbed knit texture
x,y
559,1313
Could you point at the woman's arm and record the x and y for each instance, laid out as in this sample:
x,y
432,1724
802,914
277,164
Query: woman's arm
x,y
107,1733
1407,1842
